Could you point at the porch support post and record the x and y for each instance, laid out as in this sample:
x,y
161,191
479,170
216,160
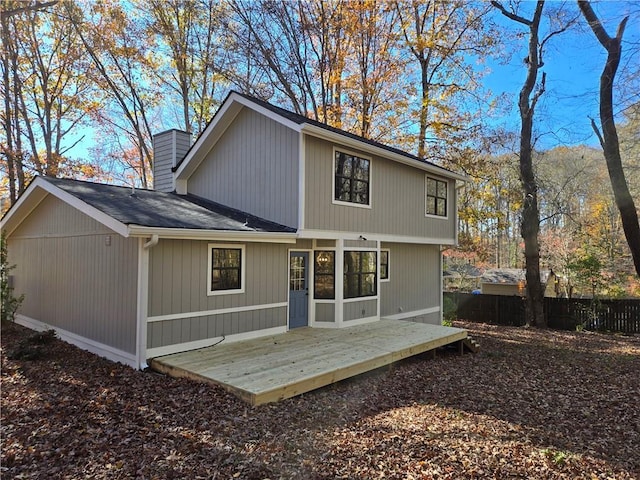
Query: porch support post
x,y
339,282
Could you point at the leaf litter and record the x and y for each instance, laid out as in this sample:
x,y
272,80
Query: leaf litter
x,y
532,404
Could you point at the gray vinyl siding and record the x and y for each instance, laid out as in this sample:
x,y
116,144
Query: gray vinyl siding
x,y
414,279
254,168
397,196
72,279
360,309
326,312
168,149
178,272
171,332
430,318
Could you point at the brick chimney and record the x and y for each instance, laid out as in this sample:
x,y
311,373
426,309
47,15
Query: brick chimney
x,y
169,148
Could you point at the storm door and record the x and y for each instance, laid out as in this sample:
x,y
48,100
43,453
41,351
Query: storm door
x,y
298,289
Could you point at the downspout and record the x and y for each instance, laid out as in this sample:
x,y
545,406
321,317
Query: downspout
x,y
151,243
143,298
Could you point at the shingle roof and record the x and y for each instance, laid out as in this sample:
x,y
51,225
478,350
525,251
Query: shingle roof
x,y
301,119
149,208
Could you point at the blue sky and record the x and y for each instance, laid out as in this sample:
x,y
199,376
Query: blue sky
x,y
573,63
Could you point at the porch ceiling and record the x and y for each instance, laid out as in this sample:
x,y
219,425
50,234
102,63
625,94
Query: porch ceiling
x,y
276,367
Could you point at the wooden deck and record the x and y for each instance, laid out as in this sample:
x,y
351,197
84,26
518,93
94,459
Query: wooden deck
x,y
273,368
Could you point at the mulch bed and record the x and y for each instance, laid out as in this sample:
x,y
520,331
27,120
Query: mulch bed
x,y
531,404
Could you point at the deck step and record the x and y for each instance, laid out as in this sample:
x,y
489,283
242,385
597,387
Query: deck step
x,y
471,344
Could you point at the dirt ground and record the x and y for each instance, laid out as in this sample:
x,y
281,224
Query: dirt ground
x,y
531,404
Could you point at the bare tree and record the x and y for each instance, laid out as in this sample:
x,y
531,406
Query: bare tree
x,y
529,96
608,137
45,88
115,46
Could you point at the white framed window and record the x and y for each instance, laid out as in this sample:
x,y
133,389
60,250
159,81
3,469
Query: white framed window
x,y
351,179
435,197
226,269
384,265
360,274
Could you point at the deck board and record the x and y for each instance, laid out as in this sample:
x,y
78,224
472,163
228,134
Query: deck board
x,y
280,366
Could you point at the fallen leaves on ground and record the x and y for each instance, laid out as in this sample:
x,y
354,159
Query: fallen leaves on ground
x,y
531,404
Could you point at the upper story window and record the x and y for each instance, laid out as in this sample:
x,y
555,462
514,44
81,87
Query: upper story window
x,y
226,269
436,197
351,179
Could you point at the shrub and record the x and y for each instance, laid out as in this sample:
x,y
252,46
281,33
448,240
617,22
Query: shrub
x,y
10,303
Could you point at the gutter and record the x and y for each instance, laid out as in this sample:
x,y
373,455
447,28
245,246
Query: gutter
x,y
379,151
200,234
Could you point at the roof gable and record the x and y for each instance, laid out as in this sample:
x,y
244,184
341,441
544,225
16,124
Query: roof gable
x,y
119,208
235,101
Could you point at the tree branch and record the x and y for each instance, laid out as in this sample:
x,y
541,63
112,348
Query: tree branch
x,y
595,24
597,132
511,15
37,6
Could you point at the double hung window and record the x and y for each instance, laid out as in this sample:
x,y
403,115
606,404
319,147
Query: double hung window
x,y
226,269
351,179
436,197
360,274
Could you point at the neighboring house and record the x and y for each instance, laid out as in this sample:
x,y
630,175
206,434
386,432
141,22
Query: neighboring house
x,y
512,281
269,221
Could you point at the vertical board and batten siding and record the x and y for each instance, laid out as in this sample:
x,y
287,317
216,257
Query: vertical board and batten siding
x,y
178,272
414,281
325,312
254,168
397,195
73,278
354,310
168,149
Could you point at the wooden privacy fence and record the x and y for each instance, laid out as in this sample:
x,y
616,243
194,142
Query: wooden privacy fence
x,y
561,313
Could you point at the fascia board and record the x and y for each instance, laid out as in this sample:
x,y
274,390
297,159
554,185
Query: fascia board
x,y
226,235
223,119
320,132
39,189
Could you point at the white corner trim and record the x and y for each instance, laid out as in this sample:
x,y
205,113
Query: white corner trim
x,y
84,343
142,299
415,313
208,342
219,311
302,159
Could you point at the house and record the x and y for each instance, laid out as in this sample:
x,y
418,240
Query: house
x,y
512,281
268,222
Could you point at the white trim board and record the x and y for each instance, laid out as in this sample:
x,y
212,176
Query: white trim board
x,y
84,343
209,342
379,237
219,311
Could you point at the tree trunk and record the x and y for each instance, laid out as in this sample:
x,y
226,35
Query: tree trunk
x,y
609,137
530,226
